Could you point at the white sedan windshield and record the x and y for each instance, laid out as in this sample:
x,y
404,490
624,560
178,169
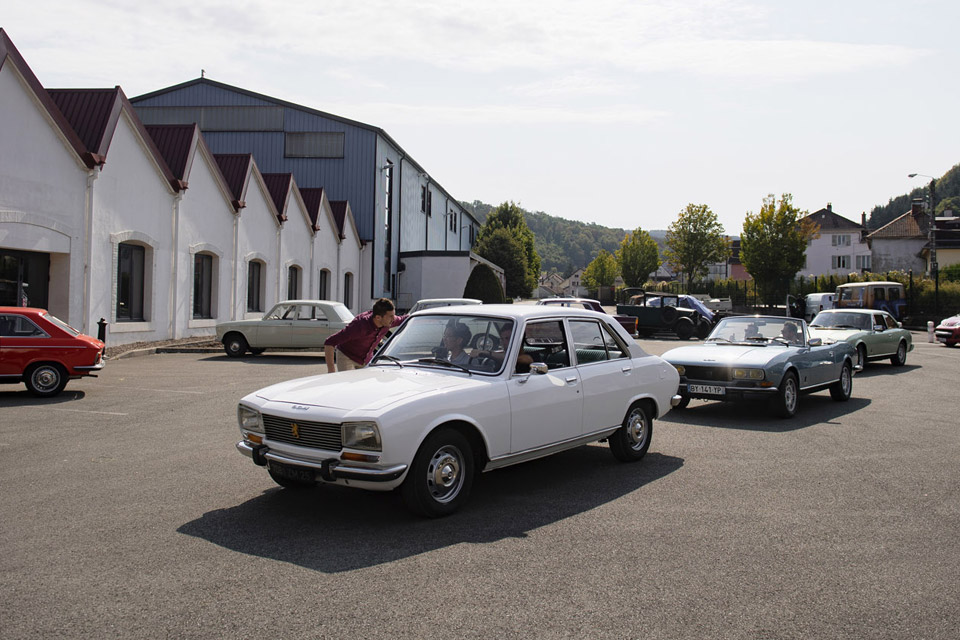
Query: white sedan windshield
x,y
472,343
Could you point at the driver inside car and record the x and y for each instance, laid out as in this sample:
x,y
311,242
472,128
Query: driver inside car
x,y
790,333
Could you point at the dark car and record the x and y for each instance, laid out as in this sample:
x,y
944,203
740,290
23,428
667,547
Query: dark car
x,y
656,312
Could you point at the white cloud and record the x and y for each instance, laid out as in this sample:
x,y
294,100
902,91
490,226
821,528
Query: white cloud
x,y
381,113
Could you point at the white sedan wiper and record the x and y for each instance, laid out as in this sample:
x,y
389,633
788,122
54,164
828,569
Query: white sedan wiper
x,y
390,358
445,363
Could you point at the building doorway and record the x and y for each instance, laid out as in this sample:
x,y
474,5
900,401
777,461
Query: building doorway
x,y
24,278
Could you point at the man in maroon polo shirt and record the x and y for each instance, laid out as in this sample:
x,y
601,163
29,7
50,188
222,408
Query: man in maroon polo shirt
x,y
354,345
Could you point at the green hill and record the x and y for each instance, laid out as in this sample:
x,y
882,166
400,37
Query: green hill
x,y
947,194
564,245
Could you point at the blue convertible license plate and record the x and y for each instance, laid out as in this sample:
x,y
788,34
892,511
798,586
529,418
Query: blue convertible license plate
x,y
706,389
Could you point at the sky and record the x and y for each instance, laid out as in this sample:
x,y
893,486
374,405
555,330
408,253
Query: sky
x,y
609,111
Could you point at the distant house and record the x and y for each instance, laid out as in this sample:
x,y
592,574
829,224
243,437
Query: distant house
x,y
899,244
549,285
731,268
572,286
948,240
841,247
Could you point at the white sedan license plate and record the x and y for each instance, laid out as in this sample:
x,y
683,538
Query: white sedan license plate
x,y
707,389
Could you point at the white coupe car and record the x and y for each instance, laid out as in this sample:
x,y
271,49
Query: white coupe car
x,y
426,415
296,324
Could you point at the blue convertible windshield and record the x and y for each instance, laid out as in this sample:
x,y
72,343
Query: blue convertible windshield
x,y
758,330
466,342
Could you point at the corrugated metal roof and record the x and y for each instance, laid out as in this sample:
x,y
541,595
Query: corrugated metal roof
x,y
278,184
176,144
313,198
93,114
236,171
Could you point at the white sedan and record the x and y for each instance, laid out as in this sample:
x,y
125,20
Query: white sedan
x,y
298,324
427,414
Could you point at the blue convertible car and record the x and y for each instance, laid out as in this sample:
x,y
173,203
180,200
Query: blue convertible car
x,y
766,357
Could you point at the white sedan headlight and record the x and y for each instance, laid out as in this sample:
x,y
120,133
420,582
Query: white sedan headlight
x,y
748,374
361,435
249,419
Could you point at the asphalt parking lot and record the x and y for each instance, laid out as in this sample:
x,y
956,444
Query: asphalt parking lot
x,y
127,513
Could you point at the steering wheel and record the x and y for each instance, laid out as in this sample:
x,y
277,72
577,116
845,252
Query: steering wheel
x,y
485,342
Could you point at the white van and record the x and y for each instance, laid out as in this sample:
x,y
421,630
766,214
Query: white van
x,y
815,303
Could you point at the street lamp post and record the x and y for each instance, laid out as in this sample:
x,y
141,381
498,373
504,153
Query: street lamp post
x,y
934,267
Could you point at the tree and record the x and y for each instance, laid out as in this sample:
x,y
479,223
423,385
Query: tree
x,y
637,257
773,244
510,217
601,272
502,248
694,241
483,285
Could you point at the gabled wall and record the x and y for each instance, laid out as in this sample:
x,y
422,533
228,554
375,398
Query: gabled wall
x,y
206,225
132,202
257,239
297,241
42,192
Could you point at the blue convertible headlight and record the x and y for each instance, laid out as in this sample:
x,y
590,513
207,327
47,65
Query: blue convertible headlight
x,y
361,435
748,374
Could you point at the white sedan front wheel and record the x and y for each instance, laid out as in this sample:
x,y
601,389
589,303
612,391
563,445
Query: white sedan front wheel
x,y
440,478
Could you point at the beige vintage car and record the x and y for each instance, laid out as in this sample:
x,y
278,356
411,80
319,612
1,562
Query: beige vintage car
x,y
296,324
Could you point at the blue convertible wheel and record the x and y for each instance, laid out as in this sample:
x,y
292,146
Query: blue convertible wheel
x,y
843,387
788,397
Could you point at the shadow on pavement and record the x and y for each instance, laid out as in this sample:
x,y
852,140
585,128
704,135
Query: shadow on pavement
x,y
18,396
883,368
333,529
311,358
754,415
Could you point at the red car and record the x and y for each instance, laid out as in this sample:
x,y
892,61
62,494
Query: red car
x,y
44,352
948,332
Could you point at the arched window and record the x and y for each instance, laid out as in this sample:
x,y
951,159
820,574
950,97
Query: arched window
x,y
293,283
255,284
348,290
324,291
204,277
130,282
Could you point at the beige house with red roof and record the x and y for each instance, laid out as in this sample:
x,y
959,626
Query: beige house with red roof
x,y
899,244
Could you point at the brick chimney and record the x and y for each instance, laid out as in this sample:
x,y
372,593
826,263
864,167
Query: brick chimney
x,y
863,219
830,207
916,207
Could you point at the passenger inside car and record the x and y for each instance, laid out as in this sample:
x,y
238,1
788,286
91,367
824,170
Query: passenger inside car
x,y
790,333
455,337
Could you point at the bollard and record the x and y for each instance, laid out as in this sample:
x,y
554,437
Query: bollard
x,y
930,337
102,330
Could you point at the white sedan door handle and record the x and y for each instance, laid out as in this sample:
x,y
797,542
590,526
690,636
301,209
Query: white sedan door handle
x,y
627,369
572,380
